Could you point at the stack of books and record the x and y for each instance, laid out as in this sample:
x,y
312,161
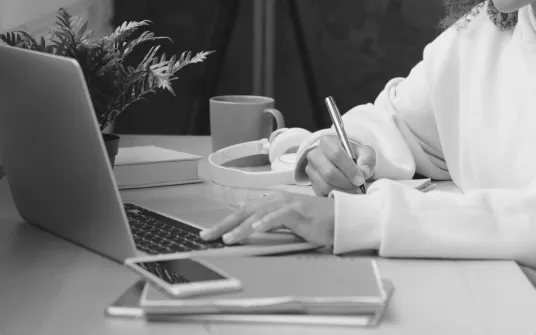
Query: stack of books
x,y
322,289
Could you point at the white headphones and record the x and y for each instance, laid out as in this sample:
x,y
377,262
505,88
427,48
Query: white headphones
x,y
281,148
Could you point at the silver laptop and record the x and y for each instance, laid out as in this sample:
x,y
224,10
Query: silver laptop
x,y
60,176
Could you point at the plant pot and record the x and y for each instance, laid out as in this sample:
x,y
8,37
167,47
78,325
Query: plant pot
x,y
111,142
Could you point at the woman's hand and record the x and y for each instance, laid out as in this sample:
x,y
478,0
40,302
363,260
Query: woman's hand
x,y
330,168
312,218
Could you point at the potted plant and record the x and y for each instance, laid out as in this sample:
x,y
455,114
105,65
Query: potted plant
x,y
112,83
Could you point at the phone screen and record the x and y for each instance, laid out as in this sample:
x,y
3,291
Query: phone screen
x,y
179,271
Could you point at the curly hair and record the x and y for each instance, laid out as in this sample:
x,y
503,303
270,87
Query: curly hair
x,y
460,12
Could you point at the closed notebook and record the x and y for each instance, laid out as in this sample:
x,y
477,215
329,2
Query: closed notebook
x,y
299,285
364,319
150,166
128,306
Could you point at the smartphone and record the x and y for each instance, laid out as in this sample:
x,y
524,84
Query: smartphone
x,y
128,304
182,276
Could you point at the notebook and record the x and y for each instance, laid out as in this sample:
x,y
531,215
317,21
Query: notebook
x,y
288,284
240,197
149,166
423,185
127,305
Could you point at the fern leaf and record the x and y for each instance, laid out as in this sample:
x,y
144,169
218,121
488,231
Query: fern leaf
x,y
185,56
10,39
187,60
126,29
172,62
87,35
62,43
76,23
29,39
63,18
20,39
170,90
164,83
135,77
146,36
65,34
149,55
200,56
131,70
43,45
81,31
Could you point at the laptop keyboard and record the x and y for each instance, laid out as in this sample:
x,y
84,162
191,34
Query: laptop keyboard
x,y
157,234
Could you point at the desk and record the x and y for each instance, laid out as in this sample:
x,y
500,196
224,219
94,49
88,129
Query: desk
x,y
49,286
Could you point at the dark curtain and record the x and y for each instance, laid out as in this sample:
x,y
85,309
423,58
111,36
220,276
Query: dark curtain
x,y
355,47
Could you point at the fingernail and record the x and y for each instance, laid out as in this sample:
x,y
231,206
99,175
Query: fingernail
x,y
229,238
365,169
257,226
358,180
204,233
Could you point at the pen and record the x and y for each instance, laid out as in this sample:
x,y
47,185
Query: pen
x,y
337,122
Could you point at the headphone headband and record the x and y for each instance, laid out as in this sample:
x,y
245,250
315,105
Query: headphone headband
x,y
282,141
228,176
237,151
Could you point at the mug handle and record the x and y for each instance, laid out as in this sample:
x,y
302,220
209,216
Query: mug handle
x,y
279,119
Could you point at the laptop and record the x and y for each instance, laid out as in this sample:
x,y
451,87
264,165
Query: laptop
x,y
60,176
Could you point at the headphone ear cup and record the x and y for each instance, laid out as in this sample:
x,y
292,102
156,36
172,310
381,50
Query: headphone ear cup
x,y
276,133
287,141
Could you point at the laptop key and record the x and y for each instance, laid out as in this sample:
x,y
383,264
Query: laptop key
x,y
178,248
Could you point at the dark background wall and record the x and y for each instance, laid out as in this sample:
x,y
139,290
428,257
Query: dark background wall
x,y
355,48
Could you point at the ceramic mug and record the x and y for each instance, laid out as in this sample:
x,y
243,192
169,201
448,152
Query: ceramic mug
x,y
236,119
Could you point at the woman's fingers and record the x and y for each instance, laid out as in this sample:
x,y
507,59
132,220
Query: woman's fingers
x,y
320,187
328,172
266,219
332,148
270,221
268,203
309,217
366,159
229,223
283,217
244,229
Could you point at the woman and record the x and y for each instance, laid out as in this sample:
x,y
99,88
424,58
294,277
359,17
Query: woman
x,y
466,113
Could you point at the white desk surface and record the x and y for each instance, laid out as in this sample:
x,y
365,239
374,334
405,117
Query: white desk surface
x,y
49,286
